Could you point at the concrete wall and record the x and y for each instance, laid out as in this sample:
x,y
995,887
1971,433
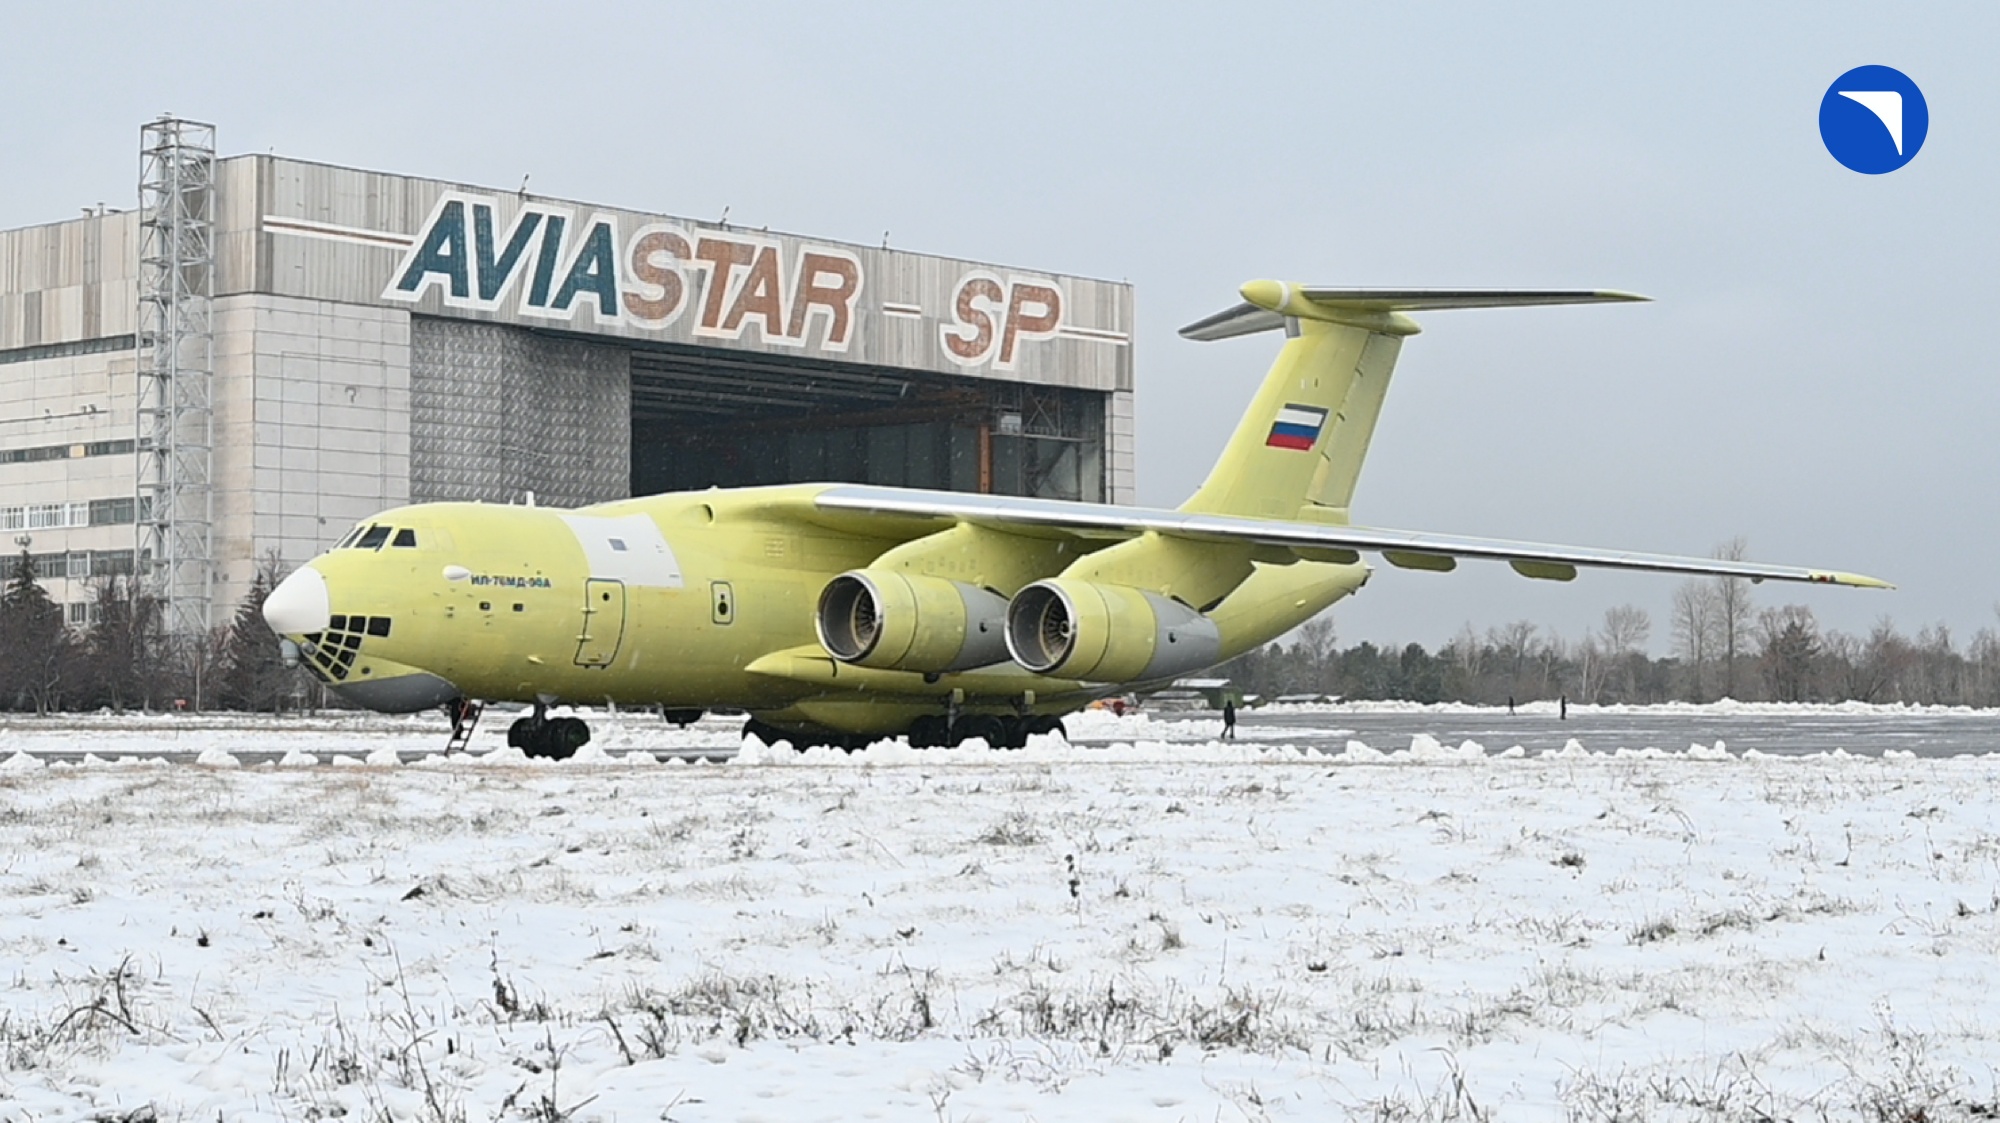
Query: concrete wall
x,y
312,416
74,403
69,281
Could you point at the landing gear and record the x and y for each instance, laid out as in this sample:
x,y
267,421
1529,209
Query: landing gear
x,y
556,738
929,732
998,732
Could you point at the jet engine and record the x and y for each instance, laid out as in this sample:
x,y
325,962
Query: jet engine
x,y
902,622
1107,633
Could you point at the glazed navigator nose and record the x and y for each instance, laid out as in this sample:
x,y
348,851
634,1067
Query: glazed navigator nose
x,y
299,604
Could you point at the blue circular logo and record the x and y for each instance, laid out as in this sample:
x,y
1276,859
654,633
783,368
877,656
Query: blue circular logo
x,y
1873,119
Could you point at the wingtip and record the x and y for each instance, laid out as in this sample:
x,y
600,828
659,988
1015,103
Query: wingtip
x,y
1852,580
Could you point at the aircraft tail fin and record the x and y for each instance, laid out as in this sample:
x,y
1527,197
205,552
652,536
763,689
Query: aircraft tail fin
x,y
1298,450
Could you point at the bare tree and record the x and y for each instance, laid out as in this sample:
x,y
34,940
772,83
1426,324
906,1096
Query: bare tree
x,y
1513,642
1884,665
1469,653
1550,655
1591,669
1937,675
1623,637
1626,628
1983,670
1694,633
1316,638
1734,614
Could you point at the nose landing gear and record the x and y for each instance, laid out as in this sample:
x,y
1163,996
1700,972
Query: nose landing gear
x,y
556,738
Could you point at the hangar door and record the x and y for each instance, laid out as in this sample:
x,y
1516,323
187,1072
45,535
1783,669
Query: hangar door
x,y
709,418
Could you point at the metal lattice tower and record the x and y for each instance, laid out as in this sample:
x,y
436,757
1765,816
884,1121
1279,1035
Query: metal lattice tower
x,y
175,497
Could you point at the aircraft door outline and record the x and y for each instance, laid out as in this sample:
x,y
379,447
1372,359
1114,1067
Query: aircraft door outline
x,y
603,622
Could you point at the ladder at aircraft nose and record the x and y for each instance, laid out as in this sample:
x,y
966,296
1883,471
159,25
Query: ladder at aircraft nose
x,y
464,715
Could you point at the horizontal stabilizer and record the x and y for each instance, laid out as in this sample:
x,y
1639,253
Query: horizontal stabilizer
x,y
1267,304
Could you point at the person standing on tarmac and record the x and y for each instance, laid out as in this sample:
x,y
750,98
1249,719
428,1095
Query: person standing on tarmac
x,y
1229,719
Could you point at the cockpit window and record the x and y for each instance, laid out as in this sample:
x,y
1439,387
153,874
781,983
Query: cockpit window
x,y
406,538
373,539
344,543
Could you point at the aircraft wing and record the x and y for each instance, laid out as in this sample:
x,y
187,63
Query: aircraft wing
x,y
1312,541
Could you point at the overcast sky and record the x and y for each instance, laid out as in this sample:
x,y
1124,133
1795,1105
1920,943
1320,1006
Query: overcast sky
x,y
1816,374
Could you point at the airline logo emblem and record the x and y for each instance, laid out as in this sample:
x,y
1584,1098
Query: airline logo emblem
x,y
553,264
1297,427
1873,119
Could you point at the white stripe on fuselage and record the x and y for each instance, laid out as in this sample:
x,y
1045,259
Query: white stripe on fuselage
x,y
628,548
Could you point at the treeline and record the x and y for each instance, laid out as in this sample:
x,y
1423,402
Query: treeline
x,y
1721,647
121,659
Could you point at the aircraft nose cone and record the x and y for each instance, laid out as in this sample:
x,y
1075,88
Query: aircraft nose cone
x,y
299,604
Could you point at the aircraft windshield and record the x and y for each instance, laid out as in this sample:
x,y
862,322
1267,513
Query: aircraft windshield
x,y
373,538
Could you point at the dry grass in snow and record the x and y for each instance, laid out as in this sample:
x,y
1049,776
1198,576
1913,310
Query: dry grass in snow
x,y
1199,933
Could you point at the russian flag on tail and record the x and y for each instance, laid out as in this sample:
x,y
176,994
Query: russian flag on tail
x,y
1297,427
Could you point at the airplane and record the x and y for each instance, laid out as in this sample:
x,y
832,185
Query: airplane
x,y
835,614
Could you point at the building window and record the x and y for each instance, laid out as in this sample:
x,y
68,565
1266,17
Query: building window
x,y
78,566
111,512
79,614
57,516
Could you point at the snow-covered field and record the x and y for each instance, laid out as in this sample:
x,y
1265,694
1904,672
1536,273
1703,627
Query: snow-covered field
x,y
1145,931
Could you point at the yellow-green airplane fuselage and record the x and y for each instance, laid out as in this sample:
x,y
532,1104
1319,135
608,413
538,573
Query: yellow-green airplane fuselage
x,y
836,612
498,602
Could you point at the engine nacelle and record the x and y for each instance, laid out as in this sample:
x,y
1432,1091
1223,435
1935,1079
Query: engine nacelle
x,y
1107,633
896,621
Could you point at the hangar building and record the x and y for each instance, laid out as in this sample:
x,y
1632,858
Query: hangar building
x,y
266,350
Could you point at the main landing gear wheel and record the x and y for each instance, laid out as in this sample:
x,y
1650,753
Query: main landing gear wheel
x,y
556,738
998,732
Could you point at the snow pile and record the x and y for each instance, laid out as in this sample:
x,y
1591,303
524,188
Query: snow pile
x,y
1727,707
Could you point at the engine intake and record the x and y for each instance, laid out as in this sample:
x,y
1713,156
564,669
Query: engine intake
x,y
1107,633
896,621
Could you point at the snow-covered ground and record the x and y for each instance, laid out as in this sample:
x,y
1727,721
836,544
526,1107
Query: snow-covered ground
x,y
1144,931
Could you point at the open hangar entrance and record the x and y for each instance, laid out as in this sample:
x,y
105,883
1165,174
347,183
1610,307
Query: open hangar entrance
x,y
708,417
